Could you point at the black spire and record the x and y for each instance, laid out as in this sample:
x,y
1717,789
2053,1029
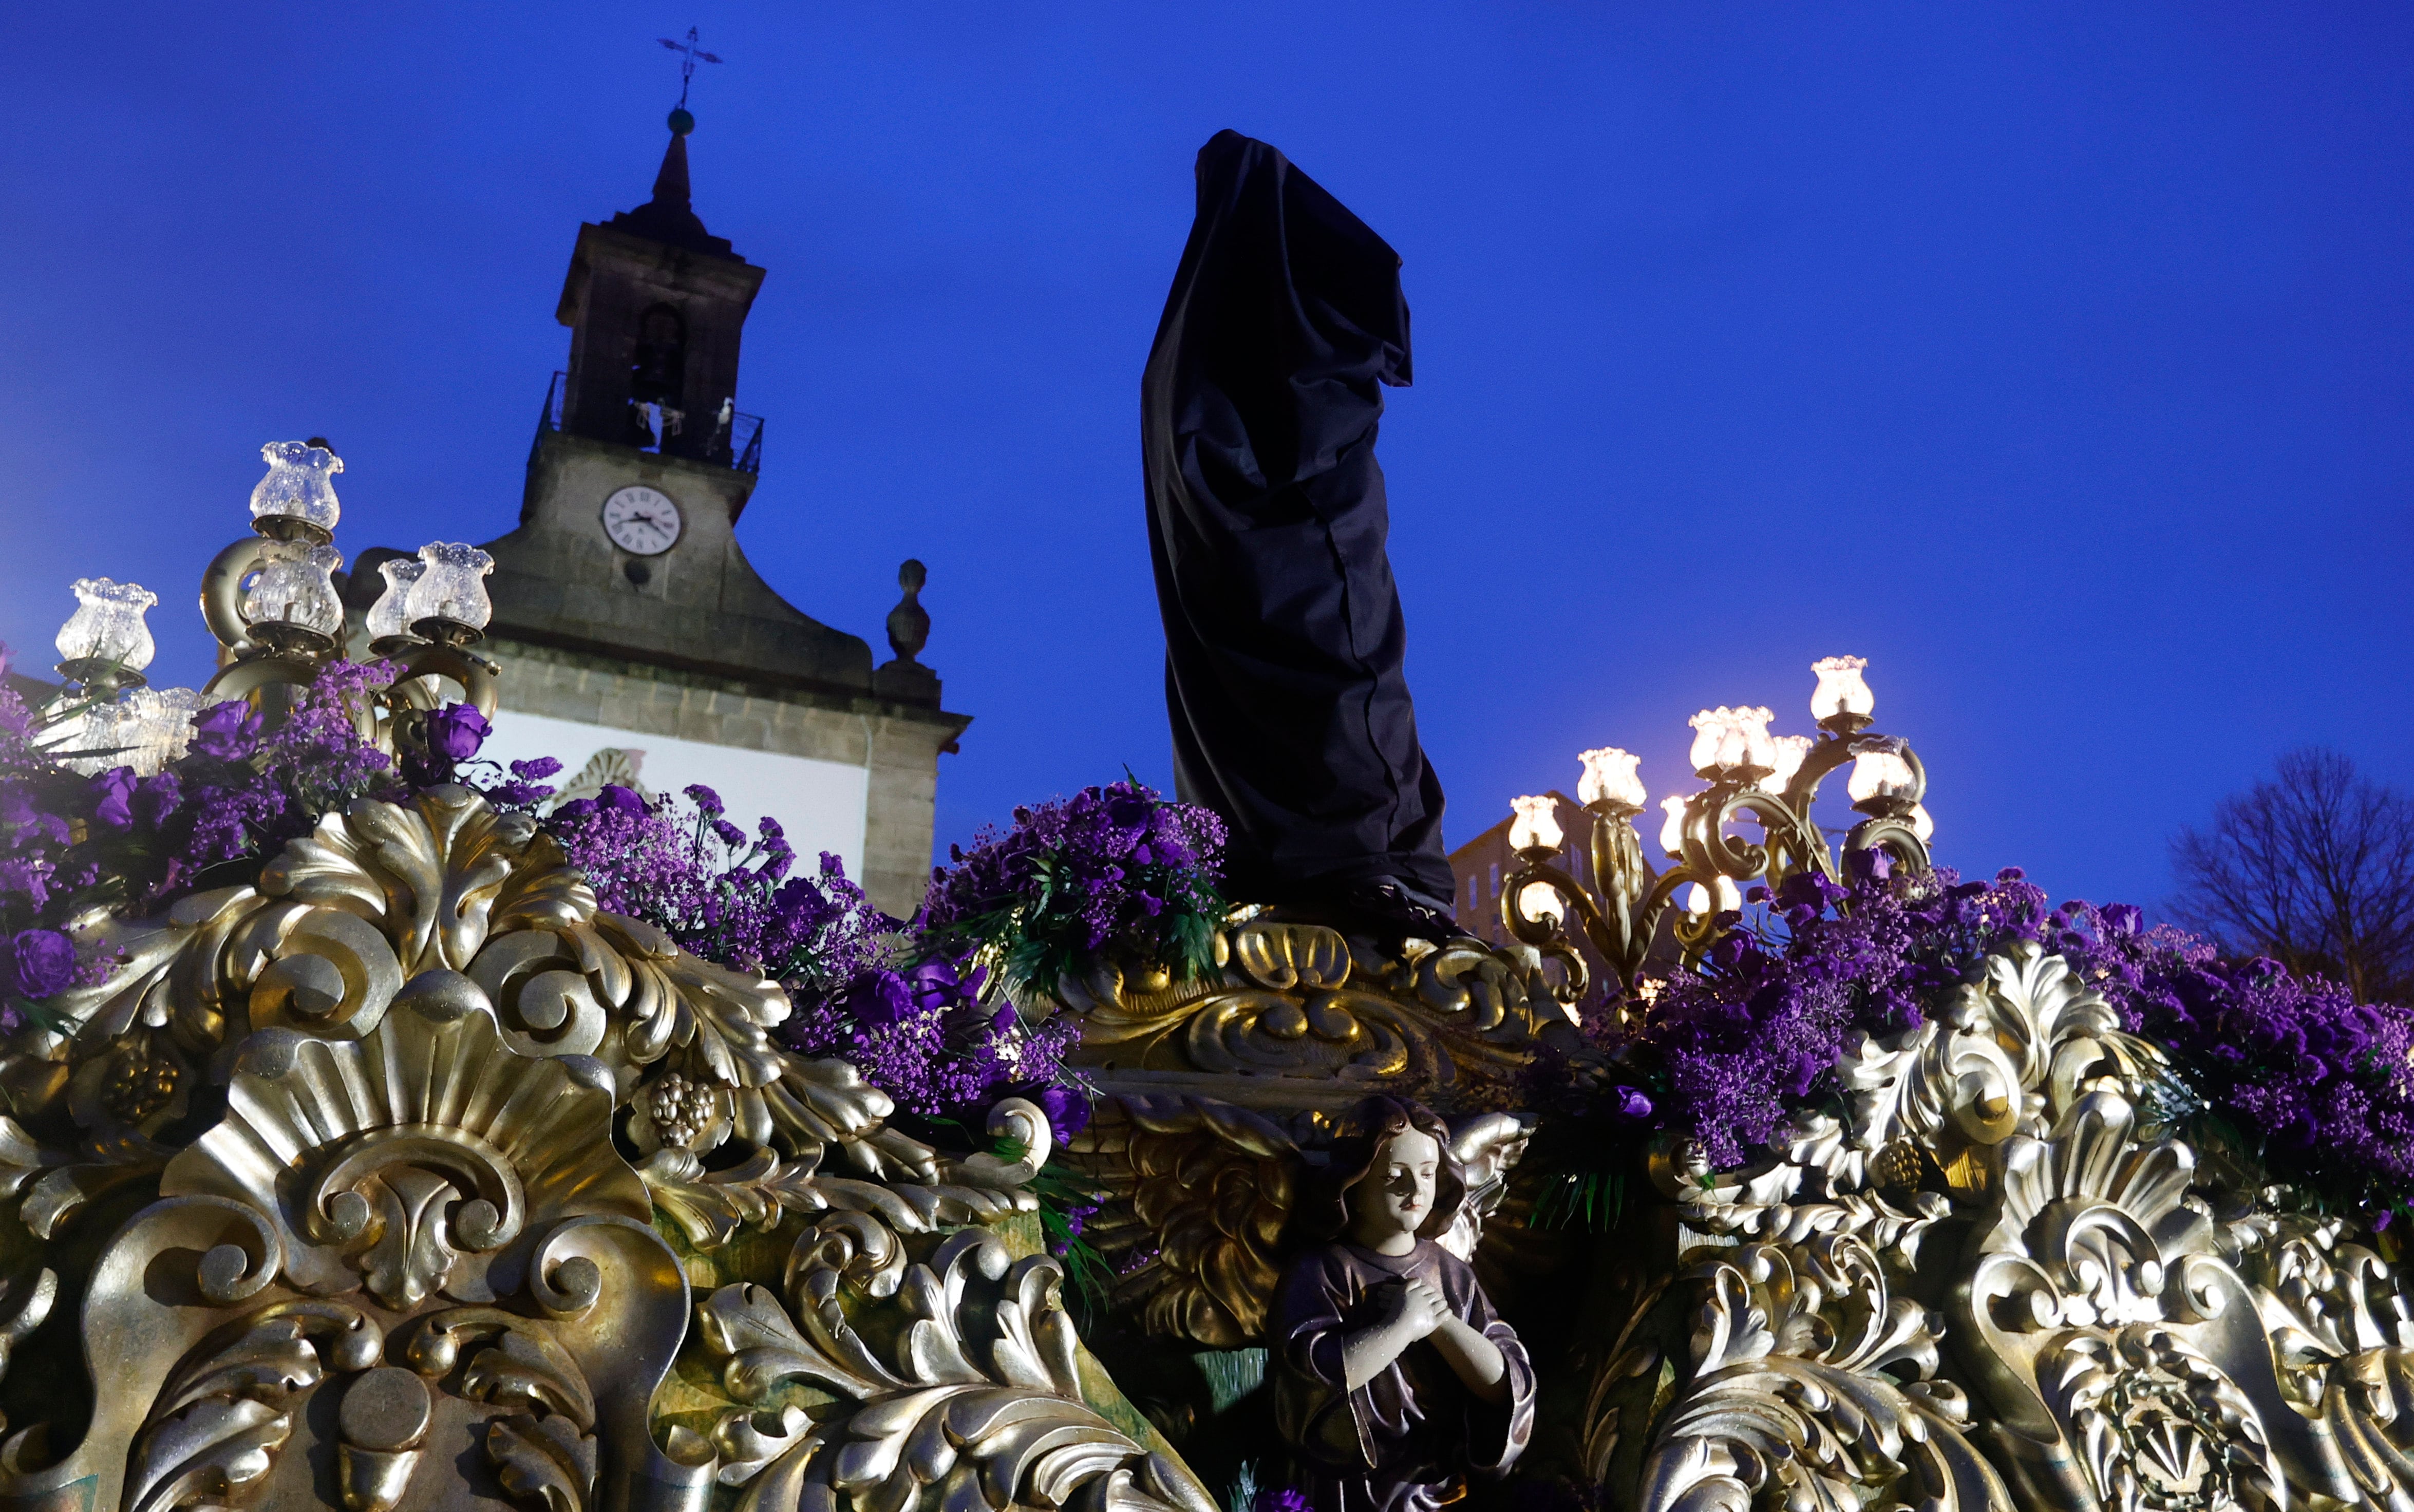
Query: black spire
x,y
669,217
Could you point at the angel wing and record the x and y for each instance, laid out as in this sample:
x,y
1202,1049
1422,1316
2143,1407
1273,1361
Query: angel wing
x,y
1487,1146
1196,1192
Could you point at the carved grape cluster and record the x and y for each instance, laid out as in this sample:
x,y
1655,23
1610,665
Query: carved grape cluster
x,y
681,1110
139,1084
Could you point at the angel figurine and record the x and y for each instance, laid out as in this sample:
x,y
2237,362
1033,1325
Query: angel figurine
x,y
1394,1377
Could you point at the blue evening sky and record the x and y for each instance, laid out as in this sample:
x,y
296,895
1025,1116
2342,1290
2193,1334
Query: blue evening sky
x,y
2052,357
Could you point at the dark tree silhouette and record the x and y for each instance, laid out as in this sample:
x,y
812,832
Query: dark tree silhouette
x,y
2313,866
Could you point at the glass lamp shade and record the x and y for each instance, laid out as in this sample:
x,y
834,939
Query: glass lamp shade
x,y
296,586
1921,823
1672,830
110,733
167,729
1541,900
1537,823
1752,737
1788,752
1879,774
108,624
389,615
452,585
299,485
1722,898
1840,690
1725,738
1609,773
1709,730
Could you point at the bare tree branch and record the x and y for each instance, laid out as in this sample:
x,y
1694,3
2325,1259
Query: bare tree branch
x,y
2313,866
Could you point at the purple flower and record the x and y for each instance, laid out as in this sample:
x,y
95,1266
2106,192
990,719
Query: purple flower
x,y
112,792
706,800
536,768
227,731
37,963
624,799
1068,1109
456,731
157,796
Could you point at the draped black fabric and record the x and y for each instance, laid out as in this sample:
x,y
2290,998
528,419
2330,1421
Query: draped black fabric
x,y
1267,521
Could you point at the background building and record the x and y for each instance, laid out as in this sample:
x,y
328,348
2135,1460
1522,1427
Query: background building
x,y
638,644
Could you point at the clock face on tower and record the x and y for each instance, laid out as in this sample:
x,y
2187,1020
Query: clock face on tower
x,y
644,522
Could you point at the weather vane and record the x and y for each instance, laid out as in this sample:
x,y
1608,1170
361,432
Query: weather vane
x,y
690,55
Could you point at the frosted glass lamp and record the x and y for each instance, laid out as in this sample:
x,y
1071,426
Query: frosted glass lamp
x,y
390,617
1537,825
1842,689
1750,743
166,732
107,632
1710,733
1722,897
1787,753
1726,740
452,586
300,487
1879,774
1672,831
1921,824
1541,900
1609,777
296,588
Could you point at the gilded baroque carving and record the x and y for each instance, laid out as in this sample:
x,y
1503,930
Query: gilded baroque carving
x,y
377,1094
1300,999
2120,1346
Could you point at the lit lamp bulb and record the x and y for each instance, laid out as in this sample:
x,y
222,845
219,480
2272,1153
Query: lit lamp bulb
x,y
1609,777
300,487
1726,740
452,586
1786,758
297,587
1921,824
107,632
1750,740
1537,824
1541,900
1719,898
1672,831
1879,774
390,618
1841,692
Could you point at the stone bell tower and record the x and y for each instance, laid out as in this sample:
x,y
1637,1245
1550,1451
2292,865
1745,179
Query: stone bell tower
x,y
637,637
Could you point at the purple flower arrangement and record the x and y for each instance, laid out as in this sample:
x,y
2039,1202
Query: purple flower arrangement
x,y
70,844
1725,1054
910,1013
1113,872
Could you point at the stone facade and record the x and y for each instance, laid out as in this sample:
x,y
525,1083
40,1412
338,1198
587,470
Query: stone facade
x,y
679,662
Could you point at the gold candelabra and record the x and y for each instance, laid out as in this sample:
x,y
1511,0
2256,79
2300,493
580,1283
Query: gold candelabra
x,y
270,601
1750,773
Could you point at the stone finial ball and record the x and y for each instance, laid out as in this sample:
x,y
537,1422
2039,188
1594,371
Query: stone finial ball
x,y
681,123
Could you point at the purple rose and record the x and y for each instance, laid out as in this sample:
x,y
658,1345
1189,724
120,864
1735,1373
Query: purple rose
x,y
1068,1109
225,730
112,792
624,799
456,731
37,963
1630,1103
878,999
535,769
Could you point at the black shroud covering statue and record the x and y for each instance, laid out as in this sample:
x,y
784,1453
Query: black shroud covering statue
x,y
1267,521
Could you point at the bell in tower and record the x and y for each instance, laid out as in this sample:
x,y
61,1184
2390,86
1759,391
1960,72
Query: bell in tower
x,y
635,635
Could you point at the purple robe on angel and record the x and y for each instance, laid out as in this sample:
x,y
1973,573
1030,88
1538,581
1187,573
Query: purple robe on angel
x,y
1402,1441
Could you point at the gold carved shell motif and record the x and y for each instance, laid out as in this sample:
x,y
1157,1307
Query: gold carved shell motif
x,y
378,1093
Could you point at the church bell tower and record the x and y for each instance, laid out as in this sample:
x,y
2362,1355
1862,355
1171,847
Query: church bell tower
x,y
637,636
